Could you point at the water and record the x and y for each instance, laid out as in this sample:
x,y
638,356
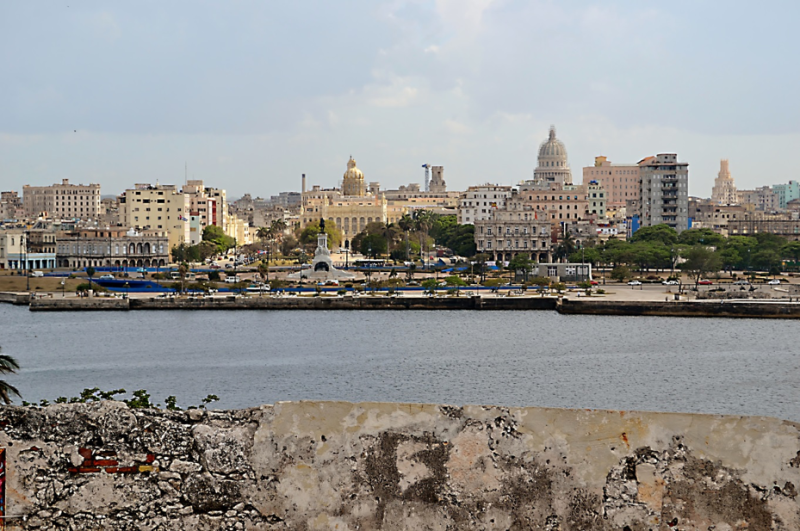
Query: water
x,y
503,358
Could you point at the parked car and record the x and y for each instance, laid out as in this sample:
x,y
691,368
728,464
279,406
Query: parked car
x,y
670,282
634,283
594,282
704,282
231,280
774,282
107,277
37,274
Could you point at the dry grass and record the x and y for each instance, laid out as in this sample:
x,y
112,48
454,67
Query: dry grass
x,y
10,282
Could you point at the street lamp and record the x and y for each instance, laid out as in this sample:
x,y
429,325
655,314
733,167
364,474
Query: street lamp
x,y
63,288
127,285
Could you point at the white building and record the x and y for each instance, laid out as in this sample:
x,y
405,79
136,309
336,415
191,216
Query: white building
x,y
478,202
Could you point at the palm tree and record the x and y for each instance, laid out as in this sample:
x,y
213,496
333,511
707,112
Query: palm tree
x,y
8,365
183,269
263,271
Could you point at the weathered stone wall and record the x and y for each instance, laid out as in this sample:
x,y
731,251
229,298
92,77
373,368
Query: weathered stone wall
x,y
335,465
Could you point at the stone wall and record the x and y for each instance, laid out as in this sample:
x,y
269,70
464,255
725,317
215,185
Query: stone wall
x,y
335,465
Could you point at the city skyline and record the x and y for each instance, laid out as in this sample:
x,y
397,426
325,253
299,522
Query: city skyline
x,y
254,95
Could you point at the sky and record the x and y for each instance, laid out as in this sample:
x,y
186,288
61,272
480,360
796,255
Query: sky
x,y
249,95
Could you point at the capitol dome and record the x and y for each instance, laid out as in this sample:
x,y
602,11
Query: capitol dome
x,y
353,180
553,165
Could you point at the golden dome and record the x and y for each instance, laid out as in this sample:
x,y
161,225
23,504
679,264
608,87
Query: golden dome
x,y
353,181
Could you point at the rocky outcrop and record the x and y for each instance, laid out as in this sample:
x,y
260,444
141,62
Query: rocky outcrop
x,y
335,465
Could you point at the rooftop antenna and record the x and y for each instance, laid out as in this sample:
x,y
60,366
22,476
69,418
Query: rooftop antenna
x,y
185,173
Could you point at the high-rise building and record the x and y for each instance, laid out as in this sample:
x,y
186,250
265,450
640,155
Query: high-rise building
x,y
553,166
62,201
664,192
157,208
724,191
620,181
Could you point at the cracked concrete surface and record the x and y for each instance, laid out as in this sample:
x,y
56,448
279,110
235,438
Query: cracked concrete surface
x,y
337,465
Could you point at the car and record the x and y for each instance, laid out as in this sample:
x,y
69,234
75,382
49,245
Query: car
x,y
231,280
634,283
37,274
704,282
741,283
774,282
594,283
107,277
228,266
670,282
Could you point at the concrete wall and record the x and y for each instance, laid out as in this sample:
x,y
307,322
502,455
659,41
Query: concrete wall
x,y
749,309
335,465
82,304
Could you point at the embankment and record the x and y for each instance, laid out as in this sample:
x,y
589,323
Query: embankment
x,y
20,299
749,309
336,465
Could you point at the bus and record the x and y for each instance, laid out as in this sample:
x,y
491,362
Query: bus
x,y
370,263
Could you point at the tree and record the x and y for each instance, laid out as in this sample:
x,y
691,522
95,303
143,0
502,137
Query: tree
x,y
565,247
430,285
374,244
520,263
701,236
662,233
183,270
263,271
90,273
308,236
700,260
8,365
456,282
620,273
215,234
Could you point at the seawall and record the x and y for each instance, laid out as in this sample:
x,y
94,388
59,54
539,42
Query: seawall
x,y
337,465
749,309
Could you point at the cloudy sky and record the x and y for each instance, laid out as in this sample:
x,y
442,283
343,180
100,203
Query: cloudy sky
x,y
250,94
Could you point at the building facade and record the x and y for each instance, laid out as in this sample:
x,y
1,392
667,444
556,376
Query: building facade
x,y
621,181
724,190
664,192
786,192
117,247
27,249
159,208
62,201
11,206
512,230
350,208
479,202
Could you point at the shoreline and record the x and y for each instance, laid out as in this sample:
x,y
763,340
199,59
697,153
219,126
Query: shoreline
x,y
748,309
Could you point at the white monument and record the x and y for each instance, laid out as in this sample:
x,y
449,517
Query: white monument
x,y
322,268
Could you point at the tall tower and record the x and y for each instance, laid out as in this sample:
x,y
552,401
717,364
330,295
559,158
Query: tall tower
x,y
437,184
724,191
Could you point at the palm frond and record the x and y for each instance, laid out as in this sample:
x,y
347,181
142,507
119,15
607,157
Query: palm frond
x,y
8,364
6,388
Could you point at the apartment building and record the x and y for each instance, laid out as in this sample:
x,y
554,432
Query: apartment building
x,y
161,208
479,202
621,181
511,230
664,192
62,201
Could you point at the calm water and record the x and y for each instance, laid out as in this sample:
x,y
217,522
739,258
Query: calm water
x,y
506,358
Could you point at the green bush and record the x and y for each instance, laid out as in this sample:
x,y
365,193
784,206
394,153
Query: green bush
x,y
85,286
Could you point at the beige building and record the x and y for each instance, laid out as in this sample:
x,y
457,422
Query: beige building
x,y
708,214
160,208
117,247
621,181
11,206
351,208
512,230
208,204
239,229
763,199
479,202
724,191
62,201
